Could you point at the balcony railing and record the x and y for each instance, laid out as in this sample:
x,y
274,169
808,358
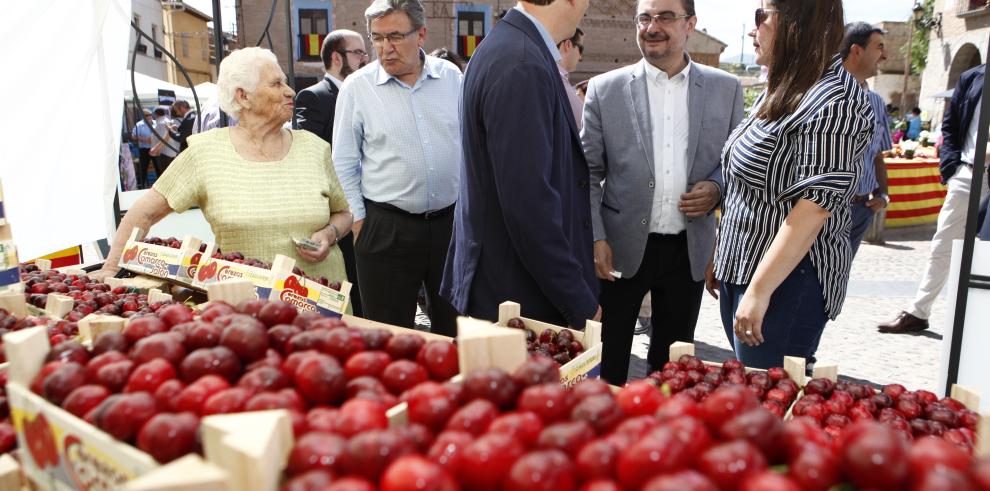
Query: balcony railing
x,y
967,8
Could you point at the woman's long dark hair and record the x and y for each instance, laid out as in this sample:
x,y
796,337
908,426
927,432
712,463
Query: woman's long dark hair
x,y
807,37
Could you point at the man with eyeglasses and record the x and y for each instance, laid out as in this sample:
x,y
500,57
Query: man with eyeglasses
x,y
523,224
343,53
653,132
571,51
397,152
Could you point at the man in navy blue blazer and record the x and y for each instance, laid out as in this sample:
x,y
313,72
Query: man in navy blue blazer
x,y
522,229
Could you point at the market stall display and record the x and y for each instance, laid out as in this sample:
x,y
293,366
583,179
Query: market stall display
x,y
914,185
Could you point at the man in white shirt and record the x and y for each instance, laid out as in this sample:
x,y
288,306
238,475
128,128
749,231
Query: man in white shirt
x,y
653,132
397,152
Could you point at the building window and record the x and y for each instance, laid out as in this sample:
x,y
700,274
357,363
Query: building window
x,y
471,29
154,36
313,27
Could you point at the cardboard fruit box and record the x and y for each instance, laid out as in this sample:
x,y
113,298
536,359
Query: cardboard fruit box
x,y
586,365
159,261
243,451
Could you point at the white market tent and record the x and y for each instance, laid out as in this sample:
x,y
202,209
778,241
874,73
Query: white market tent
x,y
147,88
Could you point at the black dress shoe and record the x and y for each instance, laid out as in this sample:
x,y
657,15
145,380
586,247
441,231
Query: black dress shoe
x,y
903,324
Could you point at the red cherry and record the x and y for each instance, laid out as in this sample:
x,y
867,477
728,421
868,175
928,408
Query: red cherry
x,y
492,384
401,375
227,401
404,346
162,345
64,379
167,437
474,418
930,454
370,453
138,328
639,398
148,376
123,415
246,337
687,480
415,473
543,470
277,312
446,450
601,411
264,378
814,467
430,404
167,393
597,459
758,426
351,483
219,361
567,436
175,314
320,380
84,398
361,415
114,376
316,450
725,403
874,456
486,462
728,464
191,398
524,426
768,481
202,335
550,402
370,363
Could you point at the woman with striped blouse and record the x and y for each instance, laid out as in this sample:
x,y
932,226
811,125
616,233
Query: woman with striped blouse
x,y
783,254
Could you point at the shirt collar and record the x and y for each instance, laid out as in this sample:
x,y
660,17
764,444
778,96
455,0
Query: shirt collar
x,y
551,45
334,80
656,74
430,69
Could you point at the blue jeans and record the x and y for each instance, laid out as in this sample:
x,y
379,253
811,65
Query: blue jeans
x,y
793,323
862,218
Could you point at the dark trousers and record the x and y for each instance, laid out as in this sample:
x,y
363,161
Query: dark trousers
x,y
396,253
141,169
862,218
346,245
793,323
161,163
676,300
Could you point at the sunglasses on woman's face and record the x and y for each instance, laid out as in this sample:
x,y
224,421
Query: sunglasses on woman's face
x,y
762,15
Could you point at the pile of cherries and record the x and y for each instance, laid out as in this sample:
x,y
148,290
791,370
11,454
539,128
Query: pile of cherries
x,y
151,383
561,346
689,375
525,432
89,296
913,414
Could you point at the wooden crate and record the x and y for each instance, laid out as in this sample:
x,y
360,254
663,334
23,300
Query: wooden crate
x,y
586,365
64,452
158,261
140,283
212,270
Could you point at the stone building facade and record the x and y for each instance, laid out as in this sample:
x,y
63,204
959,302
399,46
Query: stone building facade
x,y
961,45
889,82
610,34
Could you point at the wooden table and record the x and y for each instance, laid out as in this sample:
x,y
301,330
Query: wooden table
x,y
916,191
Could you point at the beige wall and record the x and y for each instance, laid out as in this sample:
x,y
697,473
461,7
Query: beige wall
x,y
189,41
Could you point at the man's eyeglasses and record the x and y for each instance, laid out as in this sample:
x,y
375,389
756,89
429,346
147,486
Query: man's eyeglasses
x,y
360,52
663,19
392,37
762,15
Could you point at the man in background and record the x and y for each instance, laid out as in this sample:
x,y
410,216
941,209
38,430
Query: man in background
x,y
571,51
343,53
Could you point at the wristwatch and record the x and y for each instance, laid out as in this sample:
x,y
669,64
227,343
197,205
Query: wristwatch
x,y
886,199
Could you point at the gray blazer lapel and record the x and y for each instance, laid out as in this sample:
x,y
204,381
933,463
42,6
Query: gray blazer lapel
x,y
696,110
638,98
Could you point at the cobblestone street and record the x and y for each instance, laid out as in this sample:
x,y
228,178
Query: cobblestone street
x,y
883,283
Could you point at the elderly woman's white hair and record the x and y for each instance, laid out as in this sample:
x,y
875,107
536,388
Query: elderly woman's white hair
x,y
241,69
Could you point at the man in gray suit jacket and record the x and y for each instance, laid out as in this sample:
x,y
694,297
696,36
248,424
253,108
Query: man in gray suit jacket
x,y
653,133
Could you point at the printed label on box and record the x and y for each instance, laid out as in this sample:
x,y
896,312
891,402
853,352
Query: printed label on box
x,y
63,450
586,365
160,261
309,295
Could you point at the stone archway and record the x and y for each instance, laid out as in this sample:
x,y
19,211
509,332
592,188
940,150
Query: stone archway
x,y
967,57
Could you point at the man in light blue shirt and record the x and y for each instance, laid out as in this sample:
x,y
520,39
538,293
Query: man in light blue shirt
x,y
397,153
142,135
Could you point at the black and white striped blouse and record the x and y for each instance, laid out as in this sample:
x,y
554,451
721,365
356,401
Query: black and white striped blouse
x,y
768,166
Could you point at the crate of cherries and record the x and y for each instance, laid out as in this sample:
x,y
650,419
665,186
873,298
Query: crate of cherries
x,y
914,414
151,384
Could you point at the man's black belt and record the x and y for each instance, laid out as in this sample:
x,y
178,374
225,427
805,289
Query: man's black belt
x,y
429,215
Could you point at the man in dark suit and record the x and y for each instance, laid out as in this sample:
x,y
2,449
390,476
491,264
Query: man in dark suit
x,y
957,155
343,53
187,123
522,229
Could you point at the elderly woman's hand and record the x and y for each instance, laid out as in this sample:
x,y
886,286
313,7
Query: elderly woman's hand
x,y
324,239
